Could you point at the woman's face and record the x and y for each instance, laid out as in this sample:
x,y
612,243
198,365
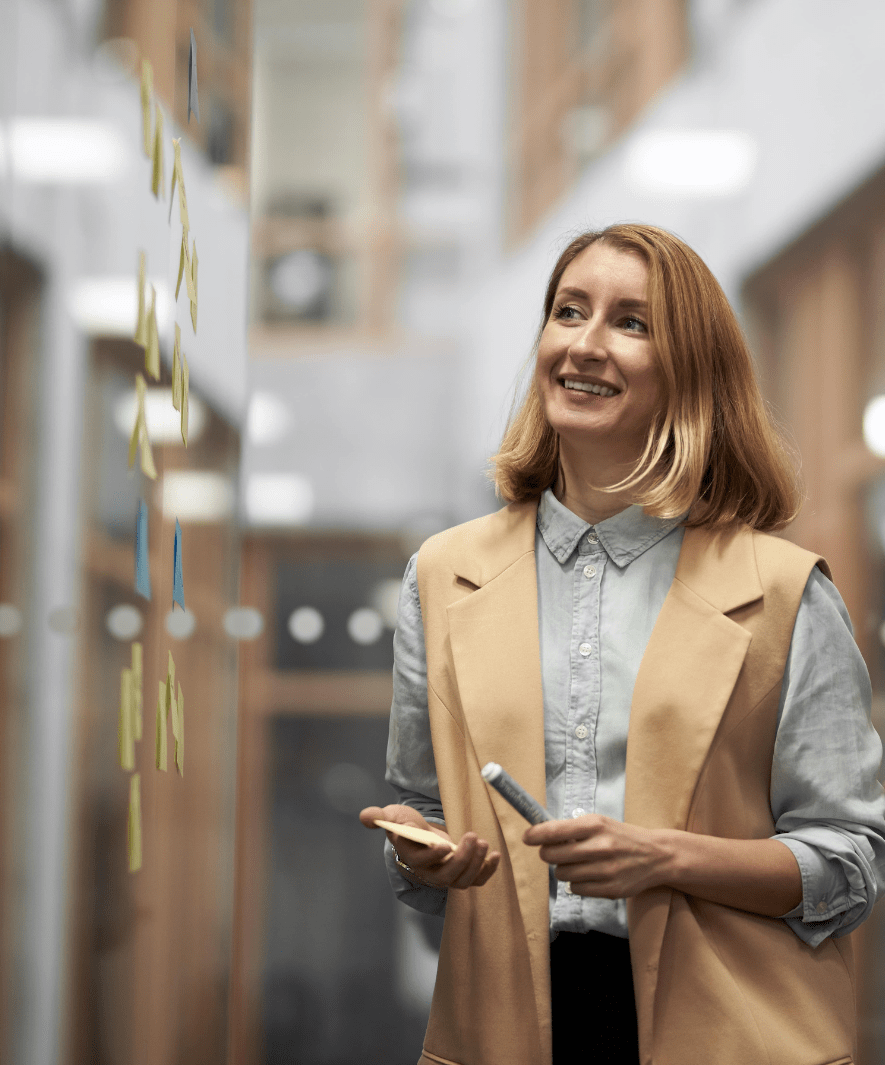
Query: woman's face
x,y
598,333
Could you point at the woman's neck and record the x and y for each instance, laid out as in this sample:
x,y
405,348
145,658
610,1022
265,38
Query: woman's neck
x,y
573,488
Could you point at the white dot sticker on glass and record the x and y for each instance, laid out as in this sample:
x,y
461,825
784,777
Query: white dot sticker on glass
x,y
243,623
365,625
180,624
306,624
124,622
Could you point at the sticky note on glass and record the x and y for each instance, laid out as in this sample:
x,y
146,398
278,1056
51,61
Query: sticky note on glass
x,y
184,266
134,827
152,351
179,739
176,369
162,758
158,175
177,578
142,558
193,291
137,691
141,326
185,388
178,179
139,433
193,103
124,731
147,91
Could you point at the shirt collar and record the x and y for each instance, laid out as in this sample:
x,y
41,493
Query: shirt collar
x,y
624,536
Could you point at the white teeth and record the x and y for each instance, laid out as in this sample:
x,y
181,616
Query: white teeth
x,y
597,389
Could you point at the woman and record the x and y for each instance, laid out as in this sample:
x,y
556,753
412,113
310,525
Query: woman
x,y
680,688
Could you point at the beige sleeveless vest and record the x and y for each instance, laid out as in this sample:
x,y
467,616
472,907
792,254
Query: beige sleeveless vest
x,y
714,985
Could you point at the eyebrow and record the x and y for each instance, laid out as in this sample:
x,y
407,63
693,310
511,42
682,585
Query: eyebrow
x,y
636,304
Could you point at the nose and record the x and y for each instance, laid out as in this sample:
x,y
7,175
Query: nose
x,y
589,342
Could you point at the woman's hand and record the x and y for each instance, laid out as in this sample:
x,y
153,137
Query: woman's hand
x,y
601,857
439,866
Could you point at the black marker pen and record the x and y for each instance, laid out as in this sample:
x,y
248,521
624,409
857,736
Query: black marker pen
x,y
515,794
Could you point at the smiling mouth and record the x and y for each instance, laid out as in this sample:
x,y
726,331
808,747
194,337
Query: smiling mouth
x,y
587,392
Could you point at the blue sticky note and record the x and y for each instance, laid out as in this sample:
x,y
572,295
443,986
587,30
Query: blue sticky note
x,y
142,563
177,580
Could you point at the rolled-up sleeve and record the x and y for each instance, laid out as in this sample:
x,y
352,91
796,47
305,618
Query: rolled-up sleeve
x,y
828,805
411,770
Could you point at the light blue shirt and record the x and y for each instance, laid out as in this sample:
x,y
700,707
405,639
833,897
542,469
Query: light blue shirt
x,y
604,586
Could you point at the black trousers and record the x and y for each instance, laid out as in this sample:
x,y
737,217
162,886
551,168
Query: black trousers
x,y
594,1012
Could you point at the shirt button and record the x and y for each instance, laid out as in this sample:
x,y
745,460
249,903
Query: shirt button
x,y
567,888
586,649
579,812
821,907
589,571
592,538
582,732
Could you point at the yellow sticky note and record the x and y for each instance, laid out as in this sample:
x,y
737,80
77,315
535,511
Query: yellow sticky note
x,y
162,760
189,274
176,369
147,91
158,177
185,386
179,740
193,294
137,691
134,827
124,730
184,265
140,434
139,418
141,332
152,351
178,178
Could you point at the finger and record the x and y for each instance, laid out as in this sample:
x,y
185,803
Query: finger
x,y
491,864
452,867
368,816
474,865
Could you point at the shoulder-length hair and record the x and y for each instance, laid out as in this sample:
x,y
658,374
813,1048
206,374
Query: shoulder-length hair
x,y
714,448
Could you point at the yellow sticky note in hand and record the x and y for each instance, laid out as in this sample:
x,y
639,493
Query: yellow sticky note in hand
x,y
193,292
134,826
141,330
137,691
176,369
124,731
147,91
152,351
179,739
162,759
158,176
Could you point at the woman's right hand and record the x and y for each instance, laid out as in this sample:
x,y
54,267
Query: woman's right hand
x,y
438,866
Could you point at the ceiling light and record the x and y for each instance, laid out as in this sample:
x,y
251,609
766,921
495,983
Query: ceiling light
x,y
64,151
691,162
163,420
196,496
279,499
108,306
268,419
874,426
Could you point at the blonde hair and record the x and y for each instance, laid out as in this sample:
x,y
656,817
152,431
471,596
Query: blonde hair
x,y
714,446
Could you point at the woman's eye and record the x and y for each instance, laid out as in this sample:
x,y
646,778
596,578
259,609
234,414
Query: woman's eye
x,y
636,322
565,312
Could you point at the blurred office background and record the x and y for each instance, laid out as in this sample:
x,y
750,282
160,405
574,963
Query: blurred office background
x,y
378,190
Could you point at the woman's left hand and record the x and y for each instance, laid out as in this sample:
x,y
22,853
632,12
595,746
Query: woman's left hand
x,y
601,857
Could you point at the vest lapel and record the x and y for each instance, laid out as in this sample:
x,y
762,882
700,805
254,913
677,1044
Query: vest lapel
x,y
685,680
